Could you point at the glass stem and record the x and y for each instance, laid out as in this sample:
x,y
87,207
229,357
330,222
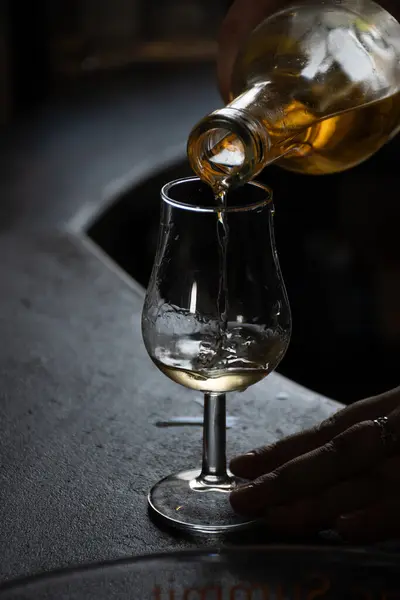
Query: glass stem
x,y
214,441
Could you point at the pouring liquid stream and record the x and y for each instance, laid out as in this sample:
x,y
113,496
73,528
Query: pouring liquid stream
x,y
223,240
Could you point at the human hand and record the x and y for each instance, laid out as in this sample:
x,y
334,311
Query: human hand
x,y
242,18
343,474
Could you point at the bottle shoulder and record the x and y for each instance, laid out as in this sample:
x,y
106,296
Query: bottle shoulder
x,y
309,38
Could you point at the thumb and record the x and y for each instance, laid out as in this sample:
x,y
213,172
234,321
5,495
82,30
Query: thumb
x,y
241,19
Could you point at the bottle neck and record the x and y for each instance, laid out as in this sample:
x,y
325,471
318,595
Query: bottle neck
x,y
231,145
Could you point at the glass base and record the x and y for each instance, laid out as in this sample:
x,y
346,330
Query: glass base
x,y
187,503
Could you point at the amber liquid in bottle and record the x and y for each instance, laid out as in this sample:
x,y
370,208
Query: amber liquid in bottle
x,y
326,146
316,89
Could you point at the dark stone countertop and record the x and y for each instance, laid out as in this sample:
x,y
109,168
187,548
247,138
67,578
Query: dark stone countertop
x,y
79,448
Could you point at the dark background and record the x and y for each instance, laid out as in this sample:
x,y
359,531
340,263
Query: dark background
x,y
337,235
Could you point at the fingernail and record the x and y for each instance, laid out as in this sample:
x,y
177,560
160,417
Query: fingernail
x,y
240,462
347,525
347,518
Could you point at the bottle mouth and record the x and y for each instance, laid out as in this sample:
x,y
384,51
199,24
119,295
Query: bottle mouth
x,y
224,149
216,154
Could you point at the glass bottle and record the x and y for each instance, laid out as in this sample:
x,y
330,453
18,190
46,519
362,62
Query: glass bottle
x,y
316,88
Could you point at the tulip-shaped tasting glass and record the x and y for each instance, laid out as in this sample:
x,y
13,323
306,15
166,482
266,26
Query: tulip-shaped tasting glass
x,y
216,319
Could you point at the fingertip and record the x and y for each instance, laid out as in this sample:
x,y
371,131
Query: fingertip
x,y
252,499
240,20
349,526
254,464
242,17
228,47
241,500
240,465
